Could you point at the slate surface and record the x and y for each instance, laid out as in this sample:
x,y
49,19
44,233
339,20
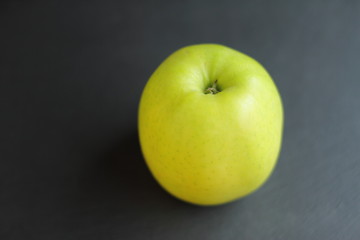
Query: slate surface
x,y
71,75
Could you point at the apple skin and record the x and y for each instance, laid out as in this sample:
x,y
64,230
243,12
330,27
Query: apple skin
x,y
210,149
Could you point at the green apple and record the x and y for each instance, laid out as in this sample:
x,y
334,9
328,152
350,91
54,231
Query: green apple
x,y
210,124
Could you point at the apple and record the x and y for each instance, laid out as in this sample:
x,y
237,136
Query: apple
x,y
210,124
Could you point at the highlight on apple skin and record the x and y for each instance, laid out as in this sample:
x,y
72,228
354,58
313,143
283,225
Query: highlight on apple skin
x,y
210,124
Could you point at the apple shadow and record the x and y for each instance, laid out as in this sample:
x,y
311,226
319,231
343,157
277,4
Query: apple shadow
x,y
120,180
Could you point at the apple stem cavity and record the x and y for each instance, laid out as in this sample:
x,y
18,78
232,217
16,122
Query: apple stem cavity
x,y
213,89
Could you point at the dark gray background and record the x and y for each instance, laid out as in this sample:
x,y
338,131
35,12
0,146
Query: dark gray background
x,y
71,76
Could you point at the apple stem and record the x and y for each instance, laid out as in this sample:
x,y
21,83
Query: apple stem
x,y
213,89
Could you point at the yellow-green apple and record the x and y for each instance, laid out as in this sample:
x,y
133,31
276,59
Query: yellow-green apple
x,y
210,124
